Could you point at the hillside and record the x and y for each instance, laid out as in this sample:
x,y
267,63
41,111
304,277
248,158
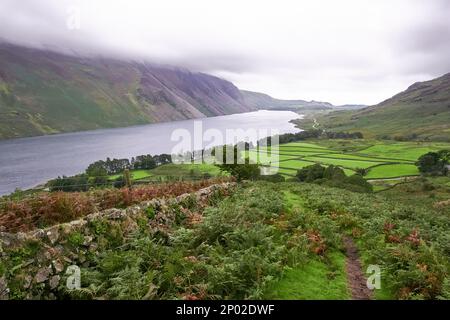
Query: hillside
x,y
264,101
253,240
43,92
423,110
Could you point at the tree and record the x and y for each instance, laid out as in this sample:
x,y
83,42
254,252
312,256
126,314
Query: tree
x,y
434,163
311,173
334,173
69,184
232,163
244,171
97,169
144,162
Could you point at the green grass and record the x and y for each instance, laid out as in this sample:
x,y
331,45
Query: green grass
x,y
303,145
406,151
392,171
352,164
294,164
174,170
286,172
135,174
263,158
316,280
357,157
384,159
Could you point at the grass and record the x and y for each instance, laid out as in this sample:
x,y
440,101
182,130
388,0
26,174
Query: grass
x,y
135,174
384,159
294,164
346,163
392,171
385,292
317,280
174,170
302,145
404,151
186,169
357,157
420,111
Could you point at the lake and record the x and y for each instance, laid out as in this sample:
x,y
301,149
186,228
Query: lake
x,y
27,162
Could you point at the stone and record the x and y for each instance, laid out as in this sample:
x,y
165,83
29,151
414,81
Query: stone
x,y
67,259
116,214
93,247
53,235
54,282
43,274
27,282
4,290
58,266
87,241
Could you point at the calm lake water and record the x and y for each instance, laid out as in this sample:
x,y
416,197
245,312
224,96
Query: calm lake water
x,y
27,162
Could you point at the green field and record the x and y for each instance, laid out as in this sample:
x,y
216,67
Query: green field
x,y
172,170
403,151
383,160
345,163
392,171
357,157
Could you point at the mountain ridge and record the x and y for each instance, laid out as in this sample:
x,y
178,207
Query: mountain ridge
x,y
45,92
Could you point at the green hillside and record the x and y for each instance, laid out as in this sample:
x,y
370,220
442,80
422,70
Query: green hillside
x,y
423,110
43,92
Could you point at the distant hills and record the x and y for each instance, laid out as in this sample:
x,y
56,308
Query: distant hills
x,y
264,101
421,111
43,92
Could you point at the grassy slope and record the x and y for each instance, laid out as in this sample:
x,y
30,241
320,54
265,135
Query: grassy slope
x,y
43,92
423,109
257,243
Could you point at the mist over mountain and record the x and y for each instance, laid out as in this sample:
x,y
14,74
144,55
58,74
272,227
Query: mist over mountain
x,y
44,92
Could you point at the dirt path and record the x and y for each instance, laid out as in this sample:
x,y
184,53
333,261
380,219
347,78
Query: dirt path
x,y
355,277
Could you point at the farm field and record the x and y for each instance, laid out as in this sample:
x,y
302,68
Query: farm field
x,y
171,170
403,150
382,160
392,171
345,163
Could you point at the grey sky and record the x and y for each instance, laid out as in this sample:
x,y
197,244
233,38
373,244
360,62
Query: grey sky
x,y
347,51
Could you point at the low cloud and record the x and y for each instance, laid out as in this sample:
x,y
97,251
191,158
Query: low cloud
x,y
349,51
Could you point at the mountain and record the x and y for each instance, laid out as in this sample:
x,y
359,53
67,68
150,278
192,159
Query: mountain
x,y
264,101
350,106
422,110
44,92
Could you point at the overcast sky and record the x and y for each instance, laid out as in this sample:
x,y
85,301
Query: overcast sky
x,y
347,51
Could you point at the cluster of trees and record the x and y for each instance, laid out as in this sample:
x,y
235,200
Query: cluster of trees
x,y
70,184
115,166
333,176
434,163
233,163
97,173
313,134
